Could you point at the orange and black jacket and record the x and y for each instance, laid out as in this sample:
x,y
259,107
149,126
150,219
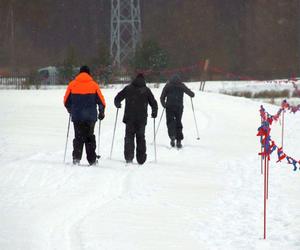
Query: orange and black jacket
x,y
82,97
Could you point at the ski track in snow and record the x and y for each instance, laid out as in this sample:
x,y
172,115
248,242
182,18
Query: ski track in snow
x,y
54,182
207,195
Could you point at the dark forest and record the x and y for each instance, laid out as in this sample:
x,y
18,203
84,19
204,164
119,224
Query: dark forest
x,y
259,38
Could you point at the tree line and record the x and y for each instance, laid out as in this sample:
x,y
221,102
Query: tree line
x,y
253,37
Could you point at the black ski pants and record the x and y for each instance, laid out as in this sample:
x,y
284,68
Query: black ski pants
x,y
135,130
174,124
84,135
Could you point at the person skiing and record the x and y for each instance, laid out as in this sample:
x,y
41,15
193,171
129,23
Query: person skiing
x,y
81,99
137,97
172,100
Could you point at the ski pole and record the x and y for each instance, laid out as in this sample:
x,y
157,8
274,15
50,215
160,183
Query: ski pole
x,y
112,143
67,138
161,116
282,131
154,140
98,151
198,138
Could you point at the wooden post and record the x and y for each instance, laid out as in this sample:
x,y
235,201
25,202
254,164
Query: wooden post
x,y
204,75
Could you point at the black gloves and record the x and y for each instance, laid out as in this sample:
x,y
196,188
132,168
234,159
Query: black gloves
x,y
118,105
101,115
154,114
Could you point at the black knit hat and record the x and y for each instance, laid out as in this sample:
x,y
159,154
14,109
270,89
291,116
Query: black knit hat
x,y
84,69
139,81
140,75
175,78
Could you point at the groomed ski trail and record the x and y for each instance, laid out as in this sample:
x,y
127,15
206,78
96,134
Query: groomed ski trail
x,y
181,202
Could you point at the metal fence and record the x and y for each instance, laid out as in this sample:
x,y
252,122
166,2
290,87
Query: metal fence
x,y
13,81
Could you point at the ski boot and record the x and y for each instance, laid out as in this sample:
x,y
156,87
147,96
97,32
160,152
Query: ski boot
x,y
178,144
93,164
141,158
172,142
76,162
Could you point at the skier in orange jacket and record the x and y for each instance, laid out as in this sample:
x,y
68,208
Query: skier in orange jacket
x,y
81,99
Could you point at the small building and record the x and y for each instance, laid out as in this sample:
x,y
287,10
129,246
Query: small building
x,y
48,75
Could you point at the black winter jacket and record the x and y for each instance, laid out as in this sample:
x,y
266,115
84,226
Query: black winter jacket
x,y
173,91
137,97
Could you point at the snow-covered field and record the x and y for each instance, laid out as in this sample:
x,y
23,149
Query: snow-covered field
x,y
209,195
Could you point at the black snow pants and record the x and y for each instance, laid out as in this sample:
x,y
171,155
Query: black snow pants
x,y
174,115
84,135
135,130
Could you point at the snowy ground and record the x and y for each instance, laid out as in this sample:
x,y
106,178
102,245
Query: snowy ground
x,y
209,195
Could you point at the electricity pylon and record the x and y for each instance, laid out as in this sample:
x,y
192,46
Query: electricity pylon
x,y
125,30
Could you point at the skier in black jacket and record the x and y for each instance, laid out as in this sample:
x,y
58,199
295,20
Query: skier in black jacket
x,y
173,92
137,97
